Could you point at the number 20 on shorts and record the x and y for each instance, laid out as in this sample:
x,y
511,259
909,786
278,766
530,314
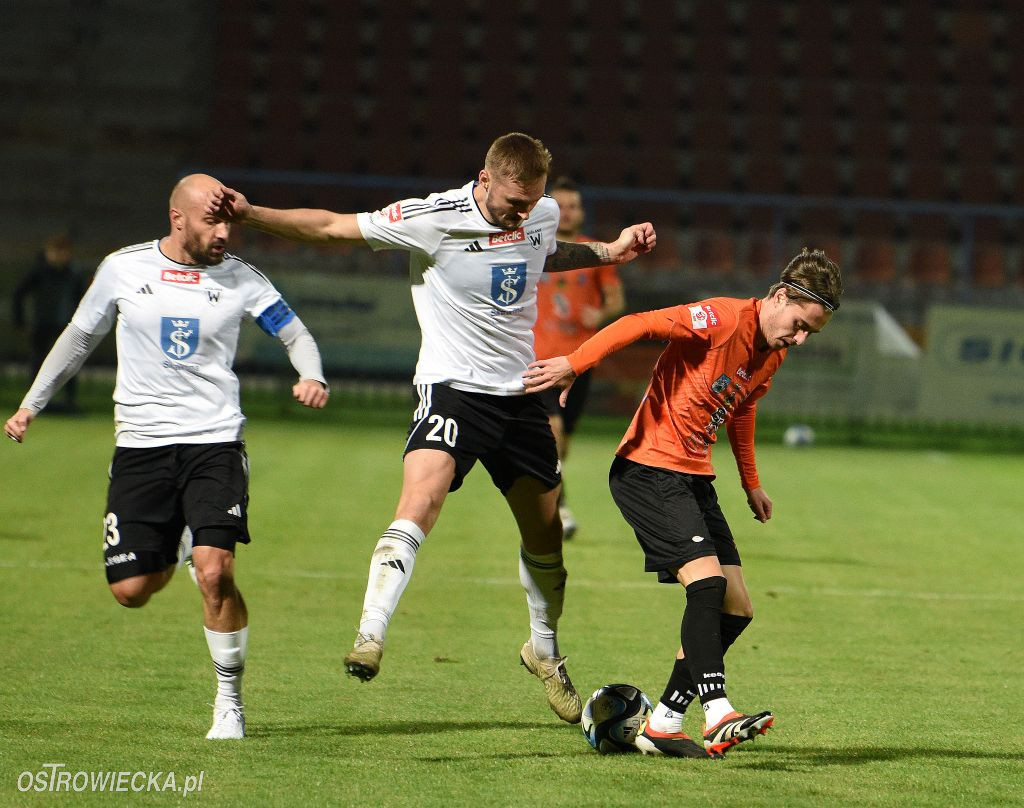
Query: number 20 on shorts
x,y
443,429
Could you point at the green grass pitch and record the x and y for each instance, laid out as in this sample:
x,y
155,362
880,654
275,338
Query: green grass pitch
x,y
888,594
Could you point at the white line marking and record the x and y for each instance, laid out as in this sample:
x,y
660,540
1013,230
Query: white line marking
x,y
811,592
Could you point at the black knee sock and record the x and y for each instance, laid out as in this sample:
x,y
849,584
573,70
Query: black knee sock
x,y
680,690
732,626
701,635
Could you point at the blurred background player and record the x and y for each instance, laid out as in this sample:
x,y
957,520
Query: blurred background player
x,y
54,287
179,460
721,357
571,307
475,256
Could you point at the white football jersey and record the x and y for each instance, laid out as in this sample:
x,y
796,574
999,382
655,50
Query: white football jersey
x,y
177,333
474,285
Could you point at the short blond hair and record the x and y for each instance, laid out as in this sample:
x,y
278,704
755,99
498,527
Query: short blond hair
x,y
518,157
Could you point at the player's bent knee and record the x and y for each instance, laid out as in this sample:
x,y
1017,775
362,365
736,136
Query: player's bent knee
x,y
131,593
741,607
215,577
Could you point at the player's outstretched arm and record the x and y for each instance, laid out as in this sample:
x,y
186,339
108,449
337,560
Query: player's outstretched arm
x,y
634,240
17,424
297,224
311,393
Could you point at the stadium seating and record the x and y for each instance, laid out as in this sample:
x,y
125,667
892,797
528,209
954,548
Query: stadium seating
x,y
850,101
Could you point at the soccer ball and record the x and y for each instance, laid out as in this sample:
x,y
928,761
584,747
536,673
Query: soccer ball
x,y
612,717
798,435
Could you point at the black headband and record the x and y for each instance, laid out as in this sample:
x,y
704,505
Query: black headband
x,y
828,304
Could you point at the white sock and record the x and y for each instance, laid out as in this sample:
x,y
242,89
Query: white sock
x,y
390,569
715,710
227,649
543,578
665,719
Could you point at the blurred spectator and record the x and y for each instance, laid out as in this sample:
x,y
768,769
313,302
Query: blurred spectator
x,y
571,307
55,286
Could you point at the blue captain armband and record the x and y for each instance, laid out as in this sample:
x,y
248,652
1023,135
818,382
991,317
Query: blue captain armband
x,y
275,317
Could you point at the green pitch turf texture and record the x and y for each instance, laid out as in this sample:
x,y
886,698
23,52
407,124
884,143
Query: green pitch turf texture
x,y
887,588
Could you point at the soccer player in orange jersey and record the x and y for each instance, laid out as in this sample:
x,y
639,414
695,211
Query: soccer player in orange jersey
x,y
571,307
721,356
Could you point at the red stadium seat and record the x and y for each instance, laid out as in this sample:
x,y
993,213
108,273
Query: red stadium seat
x,y
715,252
978,183
712,171
988,266
818,136
668,254
930,263
763,258
925,181
875,261
873,225
819,176
872,178
764,174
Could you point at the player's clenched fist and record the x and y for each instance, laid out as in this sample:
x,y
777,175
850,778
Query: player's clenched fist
x,y
311,393
17,424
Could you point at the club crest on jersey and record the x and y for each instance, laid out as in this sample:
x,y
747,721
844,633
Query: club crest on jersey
x,y
508,237
179,276
536,238
721,384
508,282
213,295
179,336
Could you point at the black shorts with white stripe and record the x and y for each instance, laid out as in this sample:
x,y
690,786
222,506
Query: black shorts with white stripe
x,y
509,435
155,492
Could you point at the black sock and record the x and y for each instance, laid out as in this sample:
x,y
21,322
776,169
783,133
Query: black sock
x,y
680,690
701,635
732,626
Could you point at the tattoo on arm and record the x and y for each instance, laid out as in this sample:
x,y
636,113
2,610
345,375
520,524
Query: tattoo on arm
x,y
574,255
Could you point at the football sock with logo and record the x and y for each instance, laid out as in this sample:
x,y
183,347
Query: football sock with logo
x,y
701,635
390,569
543,578
680,691
228,649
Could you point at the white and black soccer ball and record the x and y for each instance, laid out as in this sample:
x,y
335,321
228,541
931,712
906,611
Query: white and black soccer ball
x,y
798,435
612,717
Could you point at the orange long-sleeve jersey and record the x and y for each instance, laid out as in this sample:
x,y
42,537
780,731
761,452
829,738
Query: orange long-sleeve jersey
x,y
709,375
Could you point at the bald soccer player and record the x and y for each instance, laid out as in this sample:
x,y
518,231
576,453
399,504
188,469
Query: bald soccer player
x,y
179,472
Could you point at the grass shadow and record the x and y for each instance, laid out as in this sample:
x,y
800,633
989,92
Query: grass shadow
x,y
398,728
781,757
823,560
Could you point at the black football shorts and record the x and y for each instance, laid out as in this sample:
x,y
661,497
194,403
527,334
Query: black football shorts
x,y
676,517
510,435
155,492
574,402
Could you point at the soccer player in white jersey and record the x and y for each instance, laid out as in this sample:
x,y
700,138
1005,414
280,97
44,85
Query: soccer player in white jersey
x,y
179,464
476,254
